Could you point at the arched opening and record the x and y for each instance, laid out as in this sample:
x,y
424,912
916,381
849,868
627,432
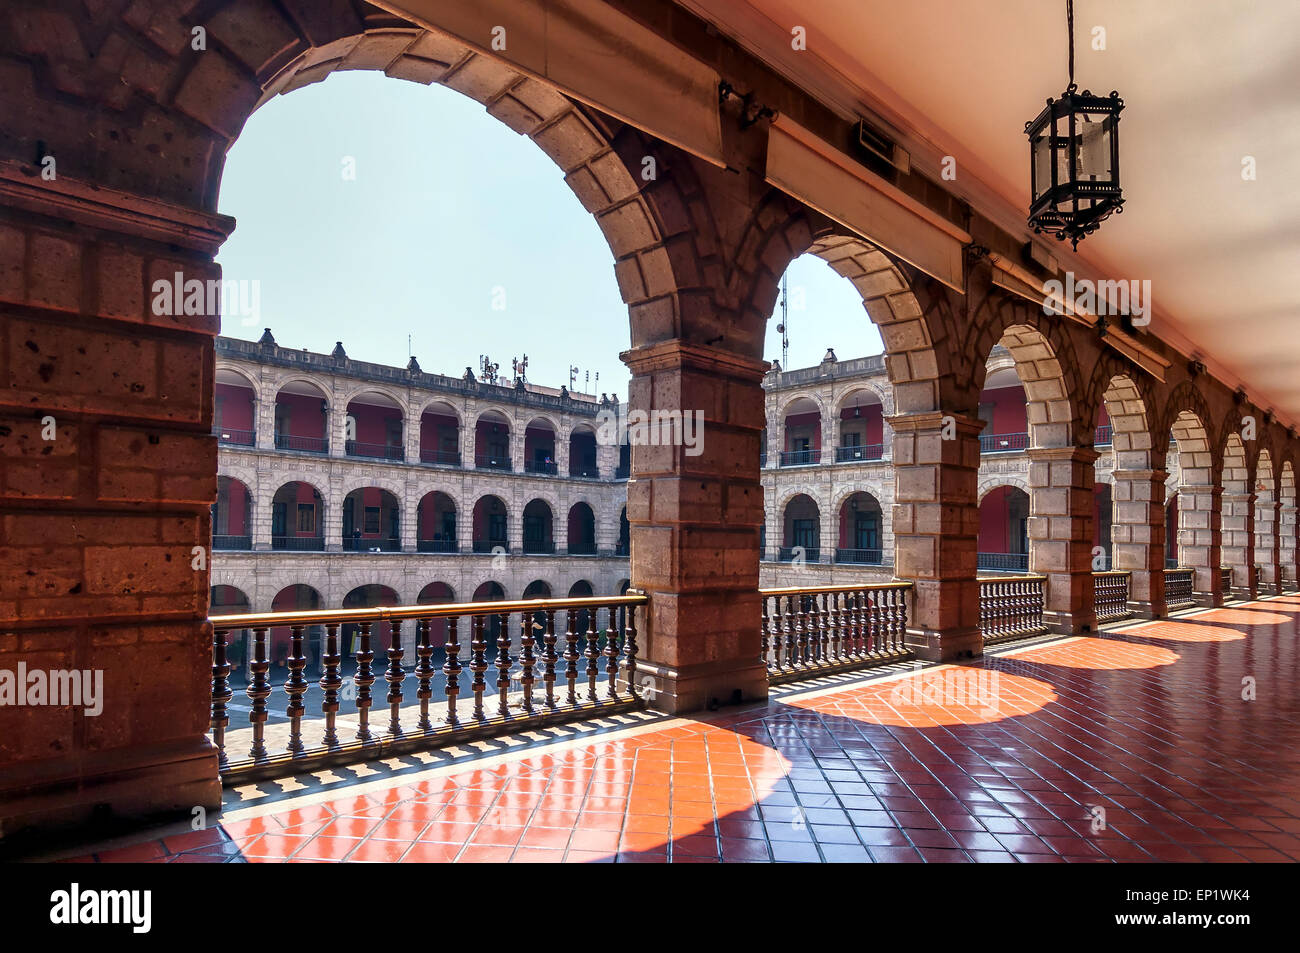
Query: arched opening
x,y
492,441
861,427
624,545
860,528
374,427
1199,512
582,589
1238,519
1002,407
1286,528
539,446
228,600
371,521
232,515
1266,522
437,594
1102,508
298,518
296,598
802,426
436,516
490,525
1004,530
370,596
490,592
234,413
301,418
582,453
582,530
1171,533
625,462
801,539
539,529
440,435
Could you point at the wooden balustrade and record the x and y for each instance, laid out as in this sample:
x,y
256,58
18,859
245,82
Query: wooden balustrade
x,y
814,630
281,739
1011,607
1110,591
1180,592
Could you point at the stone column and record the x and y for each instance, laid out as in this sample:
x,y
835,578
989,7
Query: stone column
x,y
1287,545
606,460
694,527
1199,539
1267,543
1060,534
337,425
936,529
560,526
410,504
517,435
265,417
1138,537
468,436
411,437
332,497
259,526
562,451
107,474
1239,543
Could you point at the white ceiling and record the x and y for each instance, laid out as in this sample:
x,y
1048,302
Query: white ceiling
x,y
1205,83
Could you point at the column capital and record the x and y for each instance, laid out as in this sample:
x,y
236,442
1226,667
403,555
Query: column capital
x,y
1085,455
934,420
1131,475
676,353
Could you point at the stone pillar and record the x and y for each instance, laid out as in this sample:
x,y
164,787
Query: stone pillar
x,y
410,504
265,417
1286,521
517,435
411,437
1199,539
337,425
936,530
260,518
606,460
830,433
468,437
1060,534
1239,543
107,474
560,527
694,527
1138,537
332,497
562,451
1266,543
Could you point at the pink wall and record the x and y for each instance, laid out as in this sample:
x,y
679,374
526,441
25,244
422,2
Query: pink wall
x,y
994,520
1008,414
576,518
370,496
372,422
872,421
237,508
433,428
811,419
305,417
1103,418
483,436
1101,499
304,494
431,517
535,437
236,407
1171,528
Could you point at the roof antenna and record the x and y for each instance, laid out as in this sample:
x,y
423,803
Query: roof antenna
x,y
784,327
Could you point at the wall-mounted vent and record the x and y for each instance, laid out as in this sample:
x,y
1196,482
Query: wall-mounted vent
x,y
877,150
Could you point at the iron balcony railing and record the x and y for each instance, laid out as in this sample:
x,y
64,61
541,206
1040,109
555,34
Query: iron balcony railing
x,y
492,463
448,458
311,544
1180,590
374,451
586,645
366,545
1002,562
808,554
1011,607
862,557
1003,442
581,549
490,545
622,548
830,628
587,473
800,458
224,541
1110,591
284,441
539,547
870,451
437,546
623,472
238,438
540,466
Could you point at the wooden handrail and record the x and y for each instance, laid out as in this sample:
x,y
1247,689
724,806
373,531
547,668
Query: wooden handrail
x,y
256,620
810,590
1029,578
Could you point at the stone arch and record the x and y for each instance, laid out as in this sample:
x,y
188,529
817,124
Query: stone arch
x,y
374,479
431,399
992,481
815,493
1129,409
280,383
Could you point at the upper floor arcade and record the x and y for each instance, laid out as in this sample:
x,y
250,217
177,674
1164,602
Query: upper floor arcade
x,y
275,399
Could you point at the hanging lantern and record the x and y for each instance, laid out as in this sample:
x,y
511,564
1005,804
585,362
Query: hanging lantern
x,y
1074,159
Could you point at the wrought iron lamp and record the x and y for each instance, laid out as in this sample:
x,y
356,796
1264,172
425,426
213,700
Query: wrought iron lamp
x,y
1074,159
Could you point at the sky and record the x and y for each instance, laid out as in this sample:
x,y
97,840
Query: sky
x,y
369,209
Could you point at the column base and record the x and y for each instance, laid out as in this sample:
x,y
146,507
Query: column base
x,y
1209,600
696,687
1147,610
109,787
948,645
1244,594
1070,623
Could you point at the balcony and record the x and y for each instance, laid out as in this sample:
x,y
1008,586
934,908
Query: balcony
x,y
437,546
224,542
353,544
284,441
445,458
1003,442
539,547
300,544
588,473
788,554
1002,562
374,451
1011,608
860,557
546,467
493,463
800,458
490,545
860,453
582,549
237,438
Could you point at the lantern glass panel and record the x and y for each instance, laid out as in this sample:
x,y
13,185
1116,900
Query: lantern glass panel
x,y
1093,145
1040,150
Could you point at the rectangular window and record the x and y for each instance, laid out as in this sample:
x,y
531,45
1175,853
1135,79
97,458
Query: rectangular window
x,y
806,533
372,521
306,517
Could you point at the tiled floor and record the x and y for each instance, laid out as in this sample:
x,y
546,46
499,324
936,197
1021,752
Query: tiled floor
x,y
1171,741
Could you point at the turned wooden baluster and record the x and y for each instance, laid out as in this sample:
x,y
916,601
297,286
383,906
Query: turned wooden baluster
x,y
901,637
611,651
295,686
394,676
592,654
330,684
629,652
827,627
424,671
258,691
478,665
861,621
221,695
504,661
791,634
837,625
549,659
571,656
363,679
526,658
772,657
451,669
